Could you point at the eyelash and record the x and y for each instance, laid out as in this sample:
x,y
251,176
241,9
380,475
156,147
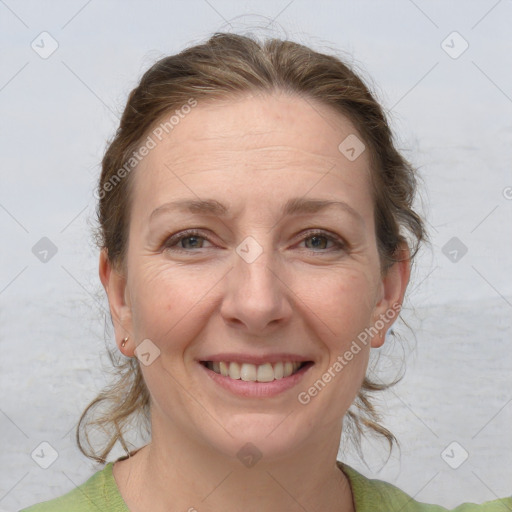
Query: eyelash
x,y
172,242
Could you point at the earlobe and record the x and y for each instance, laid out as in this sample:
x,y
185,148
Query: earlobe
x,y
115,287
392,291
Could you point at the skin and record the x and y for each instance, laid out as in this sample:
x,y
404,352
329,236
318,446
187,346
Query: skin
x,y
302,295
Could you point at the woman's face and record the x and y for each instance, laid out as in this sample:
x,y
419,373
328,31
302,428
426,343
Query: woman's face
x,y
252,251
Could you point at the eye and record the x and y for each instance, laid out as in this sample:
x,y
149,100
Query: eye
x,y
320,239
185,241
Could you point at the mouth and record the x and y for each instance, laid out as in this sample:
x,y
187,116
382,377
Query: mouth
x,y
248,372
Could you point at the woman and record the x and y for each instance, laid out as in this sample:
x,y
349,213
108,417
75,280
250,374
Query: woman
x,y
257,235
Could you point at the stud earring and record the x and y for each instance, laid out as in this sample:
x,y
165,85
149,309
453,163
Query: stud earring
x,y
123,343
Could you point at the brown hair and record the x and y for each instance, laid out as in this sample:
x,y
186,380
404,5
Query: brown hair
x,y
225,66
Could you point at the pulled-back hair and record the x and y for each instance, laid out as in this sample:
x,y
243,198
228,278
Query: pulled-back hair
x,y
228,66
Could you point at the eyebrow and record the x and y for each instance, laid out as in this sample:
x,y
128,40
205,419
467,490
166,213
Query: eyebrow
x,y
294,206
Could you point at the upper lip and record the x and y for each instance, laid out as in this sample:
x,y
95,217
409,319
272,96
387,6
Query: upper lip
x,y
257,359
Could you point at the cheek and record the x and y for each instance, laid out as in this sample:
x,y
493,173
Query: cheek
x,y
342,305
342,300
344,310
168,302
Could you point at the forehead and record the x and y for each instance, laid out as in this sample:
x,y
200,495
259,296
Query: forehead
x,y
249,144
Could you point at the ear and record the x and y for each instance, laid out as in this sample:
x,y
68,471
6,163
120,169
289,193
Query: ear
x,y
391,295
115,287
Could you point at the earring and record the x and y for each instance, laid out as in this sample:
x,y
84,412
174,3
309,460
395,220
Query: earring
x,y
123,343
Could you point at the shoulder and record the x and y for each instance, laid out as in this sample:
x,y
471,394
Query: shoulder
x,y
99,492
372,495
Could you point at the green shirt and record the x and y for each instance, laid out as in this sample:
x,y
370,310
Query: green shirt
x,y
100,493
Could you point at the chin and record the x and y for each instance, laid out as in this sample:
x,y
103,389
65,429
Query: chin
x,y
258,437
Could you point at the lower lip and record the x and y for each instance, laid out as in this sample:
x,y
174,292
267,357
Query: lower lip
x,y
250,389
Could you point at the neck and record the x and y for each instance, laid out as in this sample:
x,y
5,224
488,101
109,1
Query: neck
x,y
177,474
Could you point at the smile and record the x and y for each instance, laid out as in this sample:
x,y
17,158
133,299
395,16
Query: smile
x,y
248,372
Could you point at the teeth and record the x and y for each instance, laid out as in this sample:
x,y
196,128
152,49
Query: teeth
x,y
223,369
278,371
247,372
254,373
234,370
265,373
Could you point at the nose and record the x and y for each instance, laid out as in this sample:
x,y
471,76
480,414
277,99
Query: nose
x,y
256,297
